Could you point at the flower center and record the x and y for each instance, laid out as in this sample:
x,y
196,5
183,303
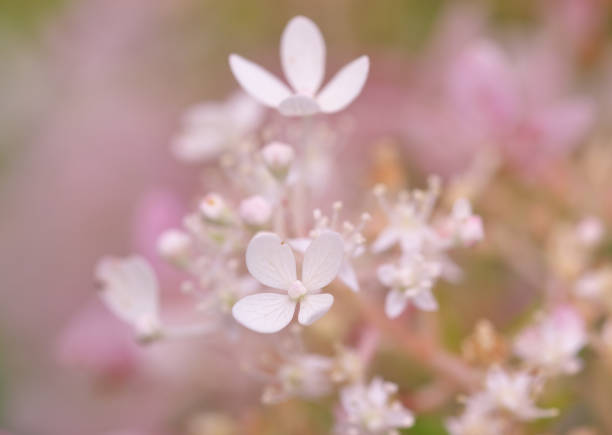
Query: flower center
x,y
297,290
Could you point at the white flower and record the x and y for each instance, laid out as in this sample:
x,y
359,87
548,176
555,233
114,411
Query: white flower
x,y
212,128
278,158
130,291
174,245
513,392
552,344
255,211
595,284
271,261
410,280
213,208
303,375
408,219
371,411
590,231
478,418
468,226
303,61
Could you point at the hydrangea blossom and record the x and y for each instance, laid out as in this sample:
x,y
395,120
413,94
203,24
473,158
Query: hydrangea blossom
x,y
212,128
552,344
303,60
130,290
411,279
370,410
270,260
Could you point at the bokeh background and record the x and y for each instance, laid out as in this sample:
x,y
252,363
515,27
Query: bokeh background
x,y
91,94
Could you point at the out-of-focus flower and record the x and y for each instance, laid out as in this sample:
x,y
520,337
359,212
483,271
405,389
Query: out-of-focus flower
x,y
595,285
303,60
552,344
278,158
463,225
174,245
410,280
214,209
408,224
255,211
478,418
370,410
212,128
305,375
590,230
270,260
513,392
130,291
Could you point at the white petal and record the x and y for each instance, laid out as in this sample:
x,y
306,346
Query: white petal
x,y
313,307
345,86
395,303
264,312
348,276
129,289
299,105
322,260
387,238
426,301
303,55
271,261
386,274
257,82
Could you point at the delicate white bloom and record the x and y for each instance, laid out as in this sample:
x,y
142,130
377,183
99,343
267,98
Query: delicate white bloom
x,y
354,242
213,208
513,392
595,284
590,231
212,128
478,418
174,245
303,61
468,226
255,211
278,158
408,218
305,375
130,290
552,344
370,410
270,260
410,280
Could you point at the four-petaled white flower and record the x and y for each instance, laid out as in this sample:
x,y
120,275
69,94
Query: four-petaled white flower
x,y
303,60
130,290
410,280
270,260
370,410
553,343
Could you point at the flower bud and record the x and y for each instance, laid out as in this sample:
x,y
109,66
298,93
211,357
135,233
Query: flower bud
x,y
278,158
255,211
213,208
174,245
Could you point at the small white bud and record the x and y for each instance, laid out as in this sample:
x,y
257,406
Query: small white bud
x,y
278,158
174,245
213,208
255,211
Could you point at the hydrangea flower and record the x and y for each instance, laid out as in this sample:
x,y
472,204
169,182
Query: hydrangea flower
x,y
410,280
270,260
552,344
130,290
370,410
211,128
303,59
513,393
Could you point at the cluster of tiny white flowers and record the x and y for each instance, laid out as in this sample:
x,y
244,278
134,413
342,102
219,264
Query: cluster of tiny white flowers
x,y
245,233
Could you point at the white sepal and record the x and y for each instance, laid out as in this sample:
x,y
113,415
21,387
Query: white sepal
x,y
264,312
322,260
271,261
345,86
257,82
313,307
